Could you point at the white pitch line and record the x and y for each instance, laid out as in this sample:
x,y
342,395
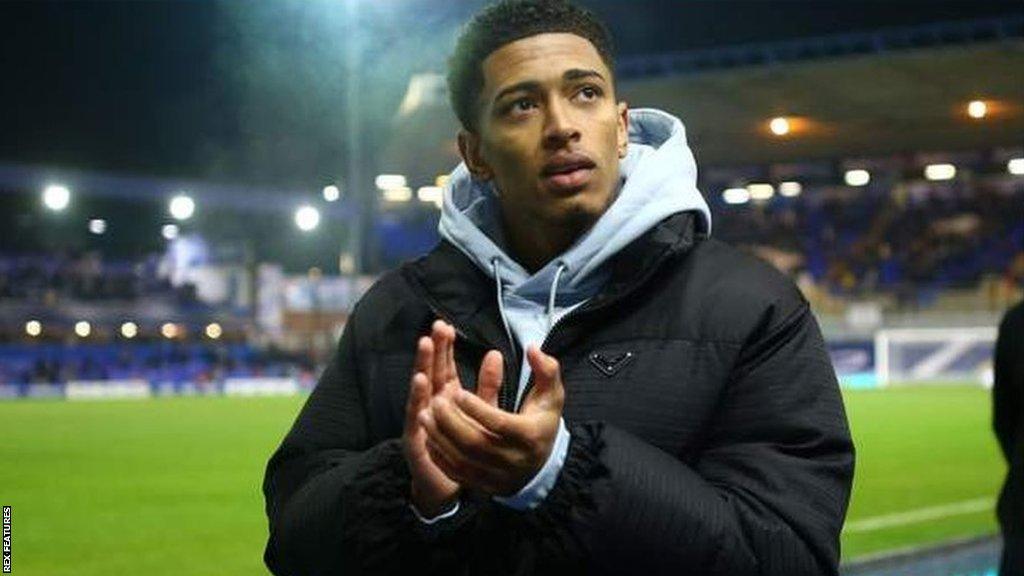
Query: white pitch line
x,y
920,515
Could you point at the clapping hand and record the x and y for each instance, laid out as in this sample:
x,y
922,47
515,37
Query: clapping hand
x,y
480,446
433,375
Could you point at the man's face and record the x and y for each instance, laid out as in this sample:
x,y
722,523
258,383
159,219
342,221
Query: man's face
x,y
550,133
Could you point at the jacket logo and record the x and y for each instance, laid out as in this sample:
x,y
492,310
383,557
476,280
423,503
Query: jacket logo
x,y
610,363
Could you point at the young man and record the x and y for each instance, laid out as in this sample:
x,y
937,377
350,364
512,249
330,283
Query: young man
x,y
577,379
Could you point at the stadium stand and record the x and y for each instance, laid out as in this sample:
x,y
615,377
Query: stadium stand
x,y
908,239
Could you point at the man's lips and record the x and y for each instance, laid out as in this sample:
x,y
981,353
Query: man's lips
x,y
567,172
568,181
566,163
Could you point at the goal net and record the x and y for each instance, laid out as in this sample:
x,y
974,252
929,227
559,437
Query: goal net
x,y
934,356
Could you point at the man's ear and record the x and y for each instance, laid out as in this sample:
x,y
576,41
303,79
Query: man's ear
x,y
469,149
623,135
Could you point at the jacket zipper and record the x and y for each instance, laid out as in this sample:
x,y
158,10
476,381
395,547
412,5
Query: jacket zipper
x,y
584,309
461,332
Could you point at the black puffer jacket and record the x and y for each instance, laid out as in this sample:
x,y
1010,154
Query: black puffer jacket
x,y
718,446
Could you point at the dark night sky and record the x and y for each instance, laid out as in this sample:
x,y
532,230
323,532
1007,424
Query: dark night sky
x,y
254,91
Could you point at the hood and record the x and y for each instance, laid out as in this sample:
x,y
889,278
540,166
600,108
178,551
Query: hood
x,y
659,178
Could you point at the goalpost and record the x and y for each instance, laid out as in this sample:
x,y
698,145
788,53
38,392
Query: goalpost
x,y
934,356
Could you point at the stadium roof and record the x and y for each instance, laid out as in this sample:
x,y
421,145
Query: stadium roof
x,y
255,92
858,105
854,106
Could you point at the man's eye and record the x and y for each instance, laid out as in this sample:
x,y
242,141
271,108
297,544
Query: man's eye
x,y
522,105
589,93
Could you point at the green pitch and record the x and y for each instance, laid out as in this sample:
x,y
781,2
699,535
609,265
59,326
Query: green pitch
x,y
172,486
150,487
927,454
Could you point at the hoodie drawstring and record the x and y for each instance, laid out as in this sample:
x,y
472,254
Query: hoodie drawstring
x,y
562,267
551,297
501,303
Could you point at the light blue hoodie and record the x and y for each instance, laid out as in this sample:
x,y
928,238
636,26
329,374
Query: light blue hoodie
x,y
659,178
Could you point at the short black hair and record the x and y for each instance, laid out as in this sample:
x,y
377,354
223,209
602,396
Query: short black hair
x,y
506,22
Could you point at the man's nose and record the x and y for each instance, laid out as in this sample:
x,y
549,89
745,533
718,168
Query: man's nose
x,y
560,127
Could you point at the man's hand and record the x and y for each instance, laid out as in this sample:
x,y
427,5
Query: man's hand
x,y
483,447
434,374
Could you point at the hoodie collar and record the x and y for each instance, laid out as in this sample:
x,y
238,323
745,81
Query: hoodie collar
x,y
460,292
659,177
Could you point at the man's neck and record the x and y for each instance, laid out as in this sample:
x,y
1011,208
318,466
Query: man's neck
x,y
534,244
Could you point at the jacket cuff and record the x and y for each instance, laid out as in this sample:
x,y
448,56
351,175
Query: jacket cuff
x,y
379,528
537,489
573,501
